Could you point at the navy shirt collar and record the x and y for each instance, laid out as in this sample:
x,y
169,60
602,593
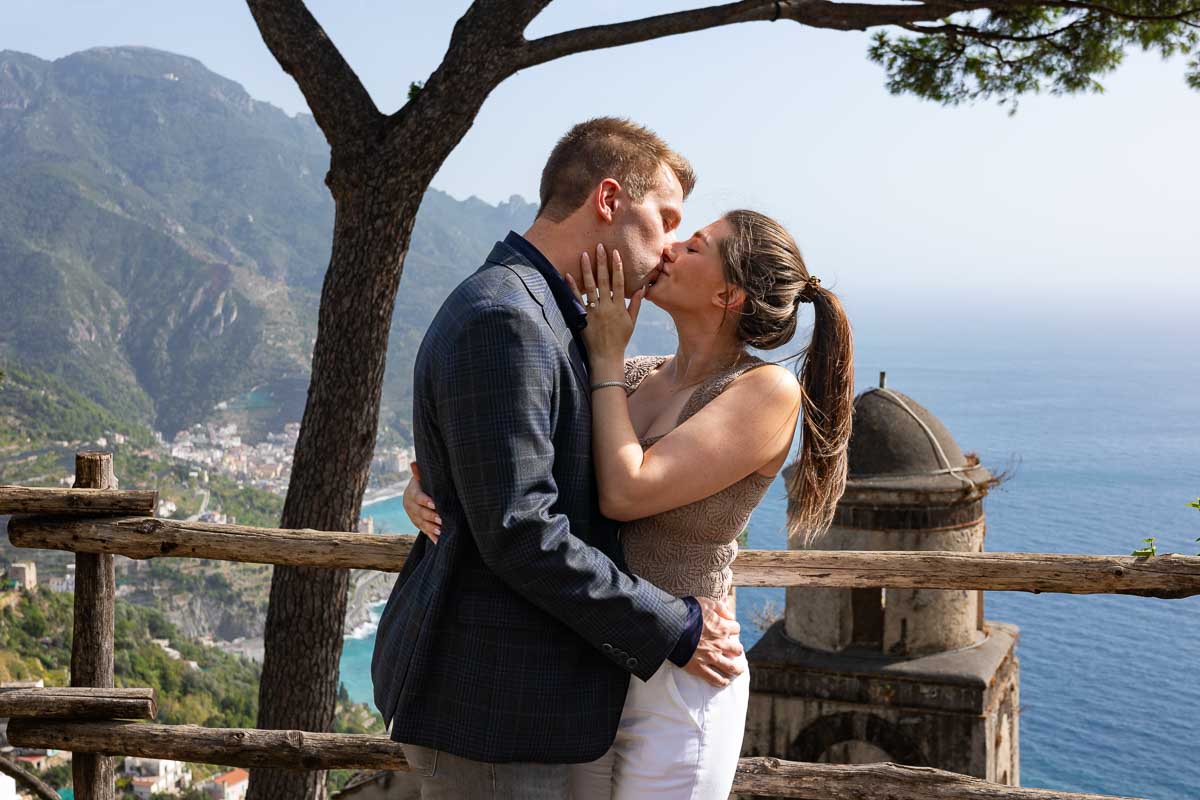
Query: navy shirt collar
x,y
572,310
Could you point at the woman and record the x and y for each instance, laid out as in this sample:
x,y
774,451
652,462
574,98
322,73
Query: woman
x,y
685,446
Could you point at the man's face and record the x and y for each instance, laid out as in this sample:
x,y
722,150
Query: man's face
x,y
644,229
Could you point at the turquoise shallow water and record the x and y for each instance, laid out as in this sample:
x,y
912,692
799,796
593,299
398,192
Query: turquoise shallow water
x,y
1101,457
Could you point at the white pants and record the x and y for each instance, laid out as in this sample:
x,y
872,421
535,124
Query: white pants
x,y
679,739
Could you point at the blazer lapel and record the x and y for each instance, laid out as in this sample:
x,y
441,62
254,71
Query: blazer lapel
x,y
539,290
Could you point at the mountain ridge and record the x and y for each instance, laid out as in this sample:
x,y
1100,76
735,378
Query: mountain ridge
x,y
158,224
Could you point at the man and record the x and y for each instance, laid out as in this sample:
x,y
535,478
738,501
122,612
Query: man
x,y
505,650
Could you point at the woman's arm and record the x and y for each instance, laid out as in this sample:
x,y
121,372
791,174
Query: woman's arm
x,y
746,428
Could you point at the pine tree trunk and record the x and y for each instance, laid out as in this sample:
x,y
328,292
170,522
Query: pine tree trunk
x,y
379,172
331,464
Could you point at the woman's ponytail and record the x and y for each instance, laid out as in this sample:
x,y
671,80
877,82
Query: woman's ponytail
x,y
816,481
763,259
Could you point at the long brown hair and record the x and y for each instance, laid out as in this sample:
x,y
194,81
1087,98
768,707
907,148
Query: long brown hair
x,y
762,258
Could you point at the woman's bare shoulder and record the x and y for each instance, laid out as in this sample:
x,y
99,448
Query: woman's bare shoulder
x,y
773,384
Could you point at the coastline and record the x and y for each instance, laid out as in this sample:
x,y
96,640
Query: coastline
x,y
389,492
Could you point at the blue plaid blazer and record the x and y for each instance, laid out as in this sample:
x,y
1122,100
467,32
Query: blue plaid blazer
x,y
513,638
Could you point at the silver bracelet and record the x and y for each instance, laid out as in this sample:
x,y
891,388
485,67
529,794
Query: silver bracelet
x,y
606,384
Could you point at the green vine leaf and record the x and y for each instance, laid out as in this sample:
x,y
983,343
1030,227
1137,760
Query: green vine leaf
x,y
1148,551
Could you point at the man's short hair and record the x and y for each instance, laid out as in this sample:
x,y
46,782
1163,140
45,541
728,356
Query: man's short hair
x,y
606,147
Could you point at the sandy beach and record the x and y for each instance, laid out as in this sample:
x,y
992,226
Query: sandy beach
x,y
388,492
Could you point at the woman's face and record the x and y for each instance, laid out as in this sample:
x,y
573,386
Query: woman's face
x,y
691,276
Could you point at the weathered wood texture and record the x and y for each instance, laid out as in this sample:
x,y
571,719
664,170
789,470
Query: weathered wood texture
x,y
95,618
771,777
302,750
59,702
148,537
33,500
26,779
233,747
1170,576
143,537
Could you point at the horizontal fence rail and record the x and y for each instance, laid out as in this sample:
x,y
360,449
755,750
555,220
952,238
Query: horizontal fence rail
x,y
27,780
27,500
93,719
239,747
1167,576
74,702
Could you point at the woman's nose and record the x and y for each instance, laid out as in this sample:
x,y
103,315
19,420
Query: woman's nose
x,y
671,252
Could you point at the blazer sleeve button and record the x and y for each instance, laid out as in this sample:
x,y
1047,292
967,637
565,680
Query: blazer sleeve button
x,y
631,663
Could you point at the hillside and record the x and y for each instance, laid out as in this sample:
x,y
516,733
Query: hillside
x,y
163,238
196,683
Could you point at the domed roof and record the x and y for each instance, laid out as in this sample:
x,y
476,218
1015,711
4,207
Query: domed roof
x,y
896,443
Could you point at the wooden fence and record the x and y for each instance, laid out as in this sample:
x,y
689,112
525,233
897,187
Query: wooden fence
x,y
95,721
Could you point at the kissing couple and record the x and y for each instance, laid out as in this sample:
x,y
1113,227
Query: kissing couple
x,y
560,628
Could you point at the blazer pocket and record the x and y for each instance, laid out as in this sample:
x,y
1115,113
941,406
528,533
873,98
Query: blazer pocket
x,y
500,611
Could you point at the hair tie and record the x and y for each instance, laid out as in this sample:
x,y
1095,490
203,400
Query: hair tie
x,y
809,292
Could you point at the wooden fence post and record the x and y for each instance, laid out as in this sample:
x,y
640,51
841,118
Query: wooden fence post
x,y
92,646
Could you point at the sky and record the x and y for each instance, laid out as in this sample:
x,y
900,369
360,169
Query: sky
x,y
1077,217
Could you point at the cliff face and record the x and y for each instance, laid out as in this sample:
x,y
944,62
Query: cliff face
x,y
366,587
239,611
164,236
197,614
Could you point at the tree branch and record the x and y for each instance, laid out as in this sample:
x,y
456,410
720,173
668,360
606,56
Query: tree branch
x,y
813,13
971,32
513,14
339,102
1100,8
26,779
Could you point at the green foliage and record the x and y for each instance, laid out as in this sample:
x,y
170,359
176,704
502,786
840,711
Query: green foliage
x,y
40,406
159,279
57,776
1149,550
414,89
249,505
1030,48
35,642
1196,505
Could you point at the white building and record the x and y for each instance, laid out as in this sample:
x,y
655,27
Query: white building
x,y
25,574
230,785
157,776
65,583
8,788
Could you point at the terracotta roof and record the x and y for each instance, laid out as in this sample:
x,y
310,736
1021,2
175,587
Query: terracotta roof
x,y
233,776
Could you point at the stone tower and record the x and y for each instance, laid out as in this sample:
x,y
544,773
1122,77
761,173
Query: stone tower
x,y
913,676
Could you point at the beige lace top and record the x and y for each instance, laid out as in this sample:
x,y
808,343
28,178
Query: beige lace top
x,y
688,550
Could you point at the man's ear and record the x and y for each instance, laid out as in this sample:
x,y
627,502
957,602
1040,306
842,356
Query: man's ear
x,y
730,298
604,199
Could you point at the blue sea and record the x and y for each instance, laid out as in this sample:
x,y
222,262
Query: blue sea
x,y
1102,452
